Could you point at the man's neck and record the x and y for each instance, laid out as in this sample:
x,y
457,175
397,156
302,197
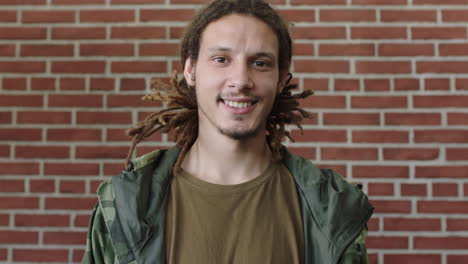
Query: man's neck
x,y
223,160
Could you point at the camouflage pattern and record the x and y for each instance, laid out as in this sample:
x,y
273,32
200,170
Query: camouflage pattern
x,y
338,240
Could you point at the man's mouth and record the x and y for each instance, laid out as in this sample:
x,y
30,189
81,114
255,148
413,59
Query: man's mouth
x,y
237,104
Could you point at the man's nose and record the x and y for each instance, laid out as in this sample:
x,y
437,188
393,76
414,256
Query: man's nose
x,y
240,76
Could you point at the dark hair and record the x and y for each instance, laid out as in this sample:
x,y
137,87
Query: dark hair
x,y
181,114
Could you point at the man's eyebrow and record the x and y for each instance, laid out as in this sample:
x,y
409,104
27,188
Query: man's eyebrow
x,y
219,49
258,54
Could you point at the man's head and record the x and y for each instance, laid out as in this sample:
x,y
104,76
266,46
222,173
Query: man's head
x,y
257,76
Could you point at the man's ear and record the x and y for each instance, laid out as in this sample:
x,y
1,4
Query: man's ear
x,y
283,81
189,72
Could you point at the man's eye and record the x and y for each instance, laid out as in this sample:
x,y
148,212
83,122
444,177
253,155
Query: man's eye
x,y
259,63
220,59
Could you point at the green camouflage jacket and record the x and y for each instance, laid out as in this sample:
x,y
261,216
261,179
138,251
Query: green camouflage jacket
x,y
128,223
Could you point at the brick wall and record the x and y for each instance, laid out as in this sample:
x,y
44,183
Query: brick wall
x,y
391,112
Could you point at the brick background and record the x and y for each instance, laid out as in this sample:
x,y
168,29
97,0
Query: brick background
x,y
391,112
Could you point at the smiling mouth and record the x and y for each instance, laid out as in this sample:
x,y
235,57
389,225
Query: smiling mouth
x,y
238,104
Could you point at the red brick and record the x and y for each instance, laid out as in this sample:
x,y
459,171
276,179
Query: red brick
x,y
65,238
319,136
72,187
21,134
324,102
69,203
383,67
413,189
346,85
411,224
443,207
378,189
43,117
444,189
3,254
78,2
456,259
138,32
43,152
457,224
4,220
71,169
296,15
379,2
42,84
377,85
72,84
407,84
316,84
324,66
22,66
454,49
378,32
5,117
134,2
101,152
78,66
23,33
121,100
117,15
7,16
440,2
373,172
386,242
441,101
441,172
441,136
408,15
438,33
40,255
303,49
159,49
139,66
131,84
306,152
166,15
378,102
412,258
457,154
111,169
437,84
23,2
48,16
442,67
440,242
106,49
318,2
455,15
347,15
461,84
344,119
4,151
410,153
412,119
457,118
317,32
73,134
81,221
79,33
42,220
75,100
14,84
391,206
18,203
115,134
346,49
42,186
18,237
349,153
79,253
102,84
11,185
104,118
380,136
19,168
410,50
7,50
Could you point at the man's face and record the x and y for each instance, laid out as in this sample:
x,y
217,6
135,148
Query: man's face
x,y
236,76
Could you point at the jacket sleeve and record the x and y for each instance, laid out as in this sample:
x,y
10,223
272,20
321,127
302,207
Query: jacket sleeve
x,y
99,249
356,252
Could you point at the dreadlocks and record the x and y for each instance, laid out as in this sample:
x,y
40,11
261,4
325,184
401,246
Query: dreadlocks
x,y
181,114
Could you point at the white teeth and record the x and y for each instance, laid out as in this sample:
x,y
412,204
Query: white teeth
x,y
237,104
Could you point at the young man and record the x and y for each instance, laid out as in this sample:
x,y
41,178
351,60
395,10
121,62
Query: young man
x,y
229,192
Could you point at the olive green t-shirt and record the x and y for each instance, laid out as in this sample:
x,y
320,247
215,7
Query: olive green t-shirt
x,y
258,221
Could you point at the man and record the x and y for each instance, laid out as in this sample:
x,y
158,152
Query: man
x,y
229,192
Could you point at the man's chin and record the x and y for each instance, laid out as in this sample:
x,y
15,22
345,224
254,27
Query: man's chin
x,y
239,134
